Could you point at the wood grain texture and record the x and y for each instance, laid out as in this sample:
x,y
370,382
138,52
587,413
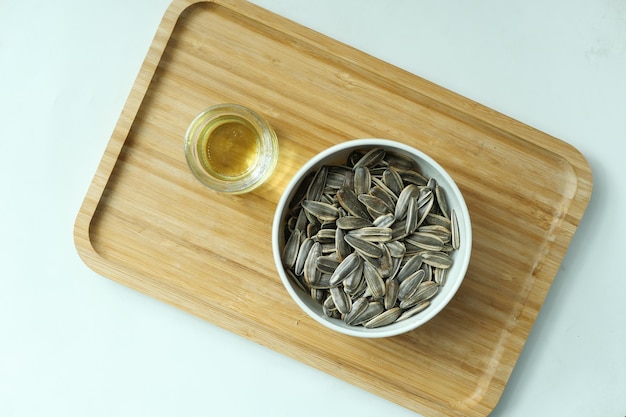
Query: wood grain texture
x,y
147,223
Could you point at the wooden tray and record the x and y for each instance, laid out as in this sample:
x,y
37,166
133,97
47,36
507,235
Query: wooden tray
x,y
147,223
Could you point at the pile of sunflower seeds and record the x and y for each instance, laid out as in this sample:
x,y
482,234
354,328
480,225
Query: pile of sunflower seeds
x,y
370,240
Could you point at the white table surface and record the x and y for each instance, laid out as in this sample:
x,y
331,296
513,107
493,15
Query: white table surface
x,y
73,343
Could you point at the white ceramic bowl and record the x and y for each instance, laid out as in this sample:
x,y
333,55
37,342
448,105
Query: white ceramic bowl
x,y
338,154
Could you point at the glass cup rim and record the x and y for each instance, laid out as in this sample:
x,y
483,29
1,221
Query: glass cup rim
x,y
266,160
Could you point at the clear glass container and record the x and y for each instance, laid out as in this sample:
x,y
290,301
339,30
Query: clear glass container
x,y
230,148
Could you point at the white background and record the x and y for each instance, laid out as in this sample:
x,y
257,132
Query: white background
x,y
73,343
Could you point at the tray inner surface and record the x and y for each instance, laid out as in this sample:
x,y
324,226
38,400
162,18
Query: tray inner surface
x,y
152,226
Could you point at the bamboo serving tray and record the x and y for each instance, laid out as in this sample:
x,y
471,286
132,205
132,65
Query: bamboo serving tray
x,y
149,224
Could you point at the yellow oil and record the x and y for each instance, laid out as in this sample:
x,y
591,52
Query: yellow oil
x,y
228,148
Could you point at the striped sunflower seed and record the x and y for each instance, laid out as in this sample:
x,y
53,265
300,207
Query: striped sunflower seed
x,y
358,307
362,180
391,293
291,248
350,202
342,270
454,231
318,184
437,259
425,241
441,201
393,180
408,287
384,318
371,158
374,308
322,211
327,264
408,192
363,246
413,310
372,234
341,300
352,222
425,291
311,273
376,207
303,253
374,280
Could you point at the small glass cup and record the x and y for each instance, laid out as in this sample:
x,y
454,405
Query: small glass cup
x,y
230,148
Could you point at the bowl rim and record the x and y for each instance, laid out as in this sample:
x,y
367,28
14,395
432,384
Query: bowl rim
x,y
463,258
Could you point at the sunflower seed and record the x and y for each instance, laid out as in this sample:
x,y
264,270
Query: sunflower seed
x,y
437,259
352,222
328,248
454,229
384,318
328,307
323,283
409,192
391,293
410,267
344,268
342,249
439,276
399,161
442,202
432,183
378,183
374,280
425,291
363,246
362,180
358,307
322,211
387,196
342,301
386,262
353,279
386,220
372,234
371,158
303,253
412,217
413,177
349,201
393,180
409,285
290,250
374,308
425,241
334,181
318,295
424,196
396,248
437,230
374,205
325,236
327,264
311,273
413,310
398,230
428,271
317,186
425,209
433,218
301,221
